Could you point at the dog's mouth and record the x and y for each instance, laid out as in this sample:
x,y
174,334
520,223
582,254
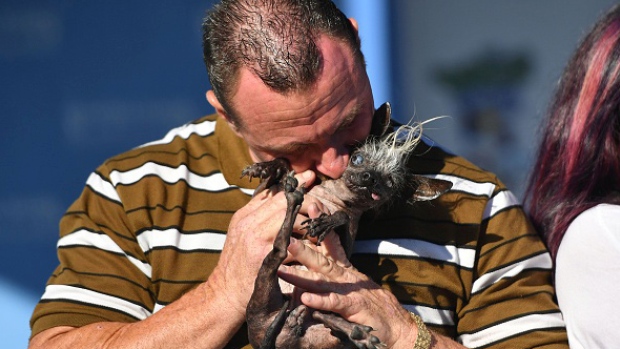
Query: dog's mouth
x,y
369,193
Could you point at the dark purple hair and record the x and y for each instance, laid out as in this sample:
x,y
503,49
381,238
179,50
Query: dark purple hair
x,y
578,162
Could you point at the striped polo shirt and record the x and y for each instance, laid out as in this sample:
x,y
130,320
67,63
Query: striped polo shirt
x,y
150,225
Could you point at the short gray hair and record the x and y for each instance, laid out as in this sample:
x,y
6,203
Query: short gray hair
x,y
275,39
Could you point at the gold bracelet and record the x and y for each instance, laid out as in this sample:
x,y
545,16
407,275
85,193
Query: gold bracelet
x,y
423,341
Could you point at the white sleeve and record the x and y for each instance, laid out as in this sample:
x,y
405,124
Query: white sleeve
x,y
588,278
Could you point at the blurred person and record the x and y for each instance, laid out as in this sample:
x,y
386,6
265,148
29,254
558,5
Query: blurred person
x,y
574,191
162,247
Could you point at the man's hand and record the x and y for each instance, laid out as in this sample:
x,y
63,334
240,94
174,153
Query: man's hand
x,y
338,287
249,239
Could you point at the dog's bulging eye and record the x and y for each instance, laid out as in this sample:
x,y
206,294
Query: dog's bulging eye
x,y
357,159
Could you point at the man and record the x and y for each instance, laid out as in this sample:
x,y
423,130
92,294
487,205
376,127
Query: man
x,y
162,248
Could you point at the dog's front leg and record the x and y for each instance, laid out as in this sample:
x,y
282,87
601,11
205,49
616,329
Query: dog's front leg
x,y
267,298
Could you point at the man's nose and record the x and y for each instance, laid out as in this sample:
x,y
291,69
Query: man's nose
x,y
332,161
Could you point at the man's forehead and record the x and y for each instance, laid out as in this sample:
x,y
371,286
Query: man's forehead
x,y
340,71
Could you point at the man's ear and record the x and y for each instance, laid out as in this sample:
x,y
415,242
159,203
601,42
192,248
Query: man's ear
x,y
354,24
215,103
356,27
219,109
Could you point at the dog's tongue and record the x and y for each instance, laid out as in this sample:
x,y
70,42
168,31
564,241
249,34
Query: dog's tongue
x,y
375,196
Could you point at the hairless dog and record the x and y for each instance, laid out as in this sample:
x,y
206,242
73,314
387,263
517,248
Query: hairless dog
x,y
376,173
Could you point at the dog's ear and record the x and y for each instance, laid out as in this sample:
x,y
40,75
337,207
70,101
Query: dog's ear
x,y
381,120
425,189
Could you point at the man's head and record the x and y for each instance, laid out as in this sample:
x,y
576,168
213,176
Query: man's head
x,y
290,78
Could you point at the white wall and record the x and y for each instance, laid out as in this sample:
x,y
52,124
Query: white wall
x,y
437,33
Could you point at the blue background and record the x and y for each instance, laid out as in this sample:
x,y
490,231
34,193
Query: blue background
x,y
81,81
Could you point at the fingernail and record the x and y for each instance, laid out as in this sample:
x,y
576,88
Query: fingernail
x,y
314,210
307,297
292,244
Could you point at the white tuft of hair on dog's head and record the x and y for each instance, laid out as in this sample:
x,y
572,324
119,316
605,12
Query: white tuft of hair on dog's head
x,y
389,154
396,146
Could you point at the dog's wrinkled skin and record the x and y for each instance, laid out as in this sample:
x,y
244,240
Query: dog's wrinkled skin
x,y
376,173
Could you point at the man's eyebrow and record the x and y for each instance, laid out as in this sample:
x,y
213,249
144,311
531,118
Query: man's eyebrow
x,y
347,121
289,147
349,118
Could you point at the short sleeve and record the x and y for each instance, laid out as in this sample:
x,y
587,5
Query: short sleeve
x,y
588,278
